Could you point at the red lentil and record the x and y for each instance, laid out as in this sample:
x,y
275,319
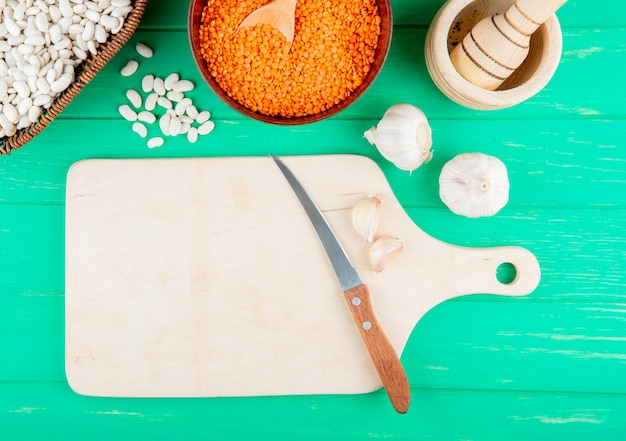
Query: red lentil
x,y
332,51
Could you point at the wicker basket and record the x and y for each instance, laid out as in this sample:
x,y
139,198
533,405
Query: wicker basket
x,y
84,73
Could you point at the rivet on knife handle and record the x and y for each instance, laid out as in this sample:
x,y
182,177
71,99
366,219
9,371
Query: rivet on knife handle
x,y
381,351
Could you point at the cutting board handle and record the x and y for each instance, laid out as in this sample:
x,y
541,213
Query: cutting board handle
x,y
476,270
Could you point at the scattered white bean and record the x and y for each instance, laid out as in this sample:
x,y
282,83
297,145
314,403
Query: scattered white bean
x,y
180,117
175,126
159,86
164,124
147,117
134,98
182,106
183,86
147,83
140,129
128,113
144,50
157,141
170,80
203,117
175,96
164,102
184,127
192,112
151,101
206,128
192,135
130,68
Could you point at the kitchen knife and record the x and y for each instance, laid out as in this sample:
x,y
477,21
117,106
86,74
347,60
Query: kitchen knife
x,y
357,295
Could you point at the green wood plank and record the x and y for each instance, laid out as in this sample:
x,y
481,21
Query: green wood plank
x,y
567,163
404,78
52,411
32,249
167,14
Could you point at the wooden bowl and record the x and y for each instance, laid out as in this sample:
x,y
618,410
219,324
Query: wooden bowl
x,y
453,21
384,42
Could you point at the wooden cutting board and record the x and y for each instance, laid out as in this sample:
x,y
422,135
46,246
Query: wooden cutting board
x,y
204,277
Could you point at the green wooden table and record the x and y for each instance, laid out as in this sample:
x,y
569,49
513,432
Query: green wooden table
x,y
548,366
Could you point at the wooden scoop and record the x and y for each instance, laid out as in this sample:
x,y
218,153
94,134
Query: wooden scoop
x,y
499,44
279,14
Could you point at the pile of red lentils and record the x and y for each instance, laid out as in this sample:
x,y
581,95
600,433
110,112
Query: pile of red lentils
x,y
332,52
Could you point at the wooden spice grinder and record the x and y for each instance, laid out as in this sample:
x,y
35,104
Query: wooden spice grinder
x,y
499,44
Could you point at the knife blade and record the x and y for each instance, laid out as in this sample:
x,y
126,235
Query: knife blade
x,y
357,295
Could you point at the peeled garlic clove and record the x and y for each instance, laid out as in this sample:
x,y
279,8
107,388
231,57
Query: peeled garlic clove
x,y
474,185
403,137
365,217
383,251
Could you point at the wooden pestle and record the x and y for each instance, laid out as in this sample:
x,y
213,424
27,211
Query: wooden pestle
x,y
499,44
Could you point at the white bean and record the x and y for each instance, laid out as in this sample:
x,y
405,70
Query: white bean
x,y
192,111
130,68
22,89
157,141
203,117
170,80
147,83
3,89
144,50
151,101
164,124
182,106
164,102
92,16
33,114
147,117
159,86
183,86
10,112
128,113
42,85
192,135
5,123
174,96
61,84
206,128
175,126
24,106
134,98
43,101
109,22
140,129
100,33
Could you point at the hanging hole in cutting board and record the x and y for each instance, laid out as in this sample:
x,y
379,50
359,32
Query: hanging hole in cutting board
x,y
506,273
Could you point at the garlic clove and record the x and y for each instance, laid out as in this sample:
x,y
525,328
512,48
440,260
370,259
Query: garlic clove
x,y
403,136
383,251
365,217
474,185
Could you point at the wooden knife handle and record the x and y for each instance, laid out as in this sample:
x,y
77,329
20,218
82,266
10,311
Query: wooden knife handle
x,y
383,354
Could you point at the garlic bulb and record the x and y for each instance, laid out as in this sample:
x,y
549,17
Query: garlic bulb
x,y
365,217
383,251
474,185
403,137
